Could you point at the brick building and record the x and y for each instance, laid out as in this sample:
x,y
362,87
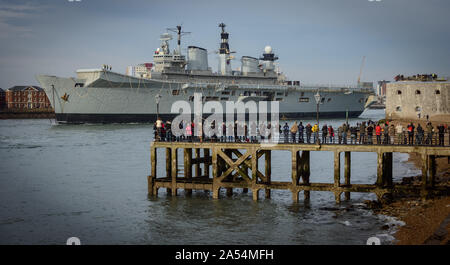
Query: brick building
x,y
26,98
2,99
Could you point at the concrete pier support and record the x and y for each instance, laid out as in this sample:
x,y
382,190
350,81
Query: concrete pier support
x,y
215,171
255,194
347,173
254,161
306,173
380,169
198,170
152,177
188,167
432,170
206,164
428,173
174,171
294,175
169,167
388,161
268,171
337,169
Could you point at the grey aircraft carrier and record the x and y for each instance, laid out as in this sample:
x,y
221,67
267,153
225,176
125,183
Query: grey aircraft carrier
x,y
103,96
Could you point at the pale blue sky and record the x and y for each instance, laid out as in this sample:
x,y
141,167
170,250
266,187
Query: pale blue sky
x,y
317,41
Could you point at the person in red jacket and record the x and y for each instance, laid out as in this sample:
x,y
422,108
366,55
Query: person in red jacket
x,y
378,133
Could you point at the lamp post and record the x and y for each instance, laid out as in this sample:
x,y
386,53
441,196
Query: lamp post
x,y
317,97
157,99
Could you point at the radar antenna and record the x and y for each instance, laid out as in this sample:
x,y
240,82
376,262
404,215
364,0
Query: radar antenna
x,y
180,33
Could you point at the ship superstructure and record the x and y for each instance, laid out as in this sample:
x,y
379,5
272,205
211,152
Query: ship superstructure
x,y
101,95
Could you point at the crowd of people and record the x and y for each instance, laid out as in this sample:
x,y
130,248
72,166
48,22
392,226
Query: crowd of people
x,y
418,77
367,132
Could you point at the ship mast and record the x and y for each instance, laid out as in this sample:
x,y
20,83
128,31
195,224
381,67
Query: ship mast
x,y
224,52
180,33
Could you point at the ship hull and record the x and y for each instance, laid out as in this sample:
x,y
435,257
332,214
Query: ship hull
x,y
76,118
107,97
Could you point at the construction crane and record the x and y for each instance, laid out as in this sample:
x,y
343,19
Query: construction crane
x,y
361,69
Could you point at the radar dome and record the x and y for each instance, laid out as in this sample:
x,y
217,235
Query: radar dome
x,y
268,49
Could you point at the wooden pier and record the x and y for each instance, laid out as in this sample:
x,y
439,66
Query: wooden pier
x,y
235,165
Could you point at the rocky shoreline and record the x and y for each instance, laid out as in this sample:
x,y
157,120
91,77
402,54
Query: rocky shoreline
x,y
426,221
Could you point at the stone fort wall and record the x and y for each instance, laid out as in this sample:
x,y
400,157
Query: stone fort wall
x,y
406,100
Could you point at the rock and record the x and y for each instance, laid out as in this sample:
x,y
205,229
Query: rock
x,y
385,227
374,205
407,180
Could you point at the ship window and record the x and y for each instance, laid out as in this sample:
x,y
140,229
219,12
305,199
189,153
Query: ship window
x,y
437,92
417,92
398,109
323,100
279,93
303,100
399,92
225,93
191,98
224,99
233,93
279,99
175,92
302,94
329,100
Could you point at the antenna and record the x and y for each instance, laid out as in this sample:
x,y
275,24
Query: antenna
x,y
180,33
222,25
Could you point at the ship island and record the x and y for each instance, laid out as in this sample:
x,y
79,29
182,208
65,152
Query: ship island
x,y
100,95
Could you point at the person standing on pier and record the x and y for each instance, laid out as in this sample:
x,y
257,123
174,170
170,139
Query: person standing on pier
x,y
230,132
300,133
286,132
315,130
340,133
294,130
429,131
253,132
420,134
324,133
331,134
345,131
385,131
370,134
399,131
441,132
169,131
391,134
353,134
308,132
411,133
158,129
189,132
362,133
378,133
